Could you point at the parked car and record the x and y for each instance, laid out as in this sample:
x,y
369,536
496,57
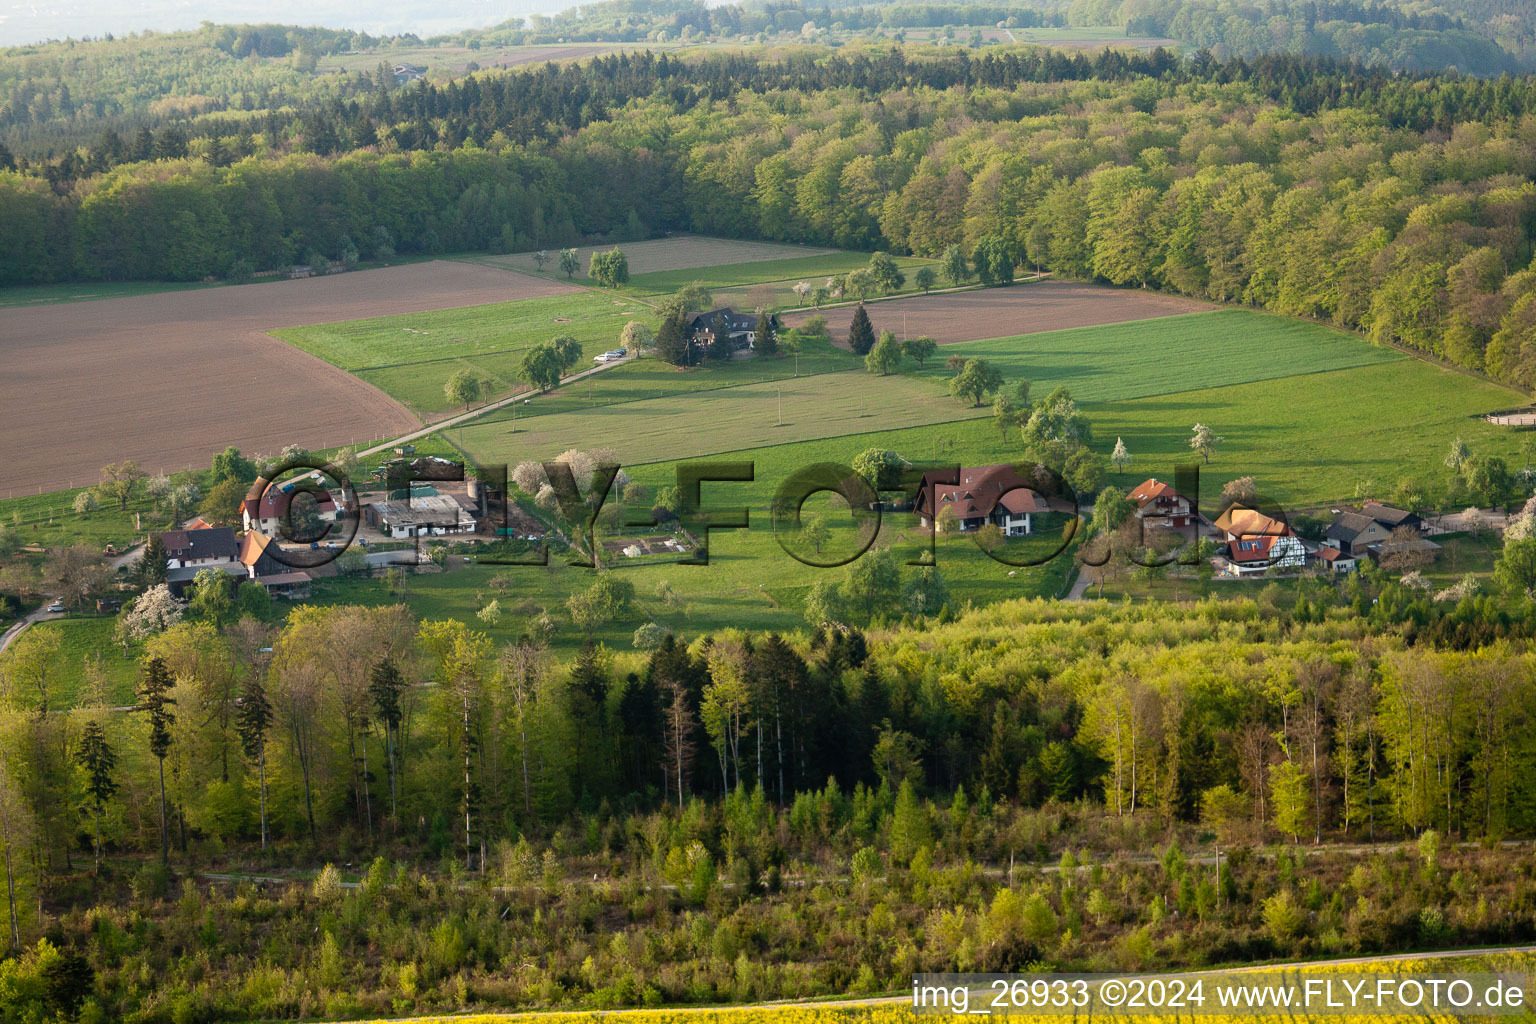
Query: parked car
x,y
609,357
57,606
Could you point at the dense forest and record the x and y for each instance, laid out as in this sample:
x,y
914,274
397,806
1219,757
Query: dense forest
x,y
1481,38
58,97
795,787
1402,206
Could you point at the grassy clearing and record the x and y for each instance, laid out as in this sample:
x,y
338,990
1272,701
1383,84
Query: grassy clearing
x,y
1168,354
1310,440
411,357
88,658
644,379
769,283
692,424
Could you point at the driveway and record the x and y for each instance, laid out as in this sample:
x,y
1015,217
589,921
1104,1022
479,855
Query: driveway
x,y
20,625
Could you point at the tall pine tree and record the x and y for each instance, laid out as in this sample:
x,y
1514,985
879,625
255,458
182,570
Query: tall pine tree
x,y
253,718
155,698
97,759
765,336
861,333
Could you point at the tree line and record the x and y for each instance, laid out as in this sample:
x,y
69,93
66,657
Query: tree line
x,y
1397,206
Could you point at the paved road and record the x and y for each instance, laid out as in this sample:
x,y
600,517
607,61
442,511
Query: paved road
x,y
20,625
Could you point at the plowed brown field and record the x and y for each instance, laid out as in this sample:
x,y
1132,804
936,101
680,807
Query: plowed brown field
x,y
1003,312
170,379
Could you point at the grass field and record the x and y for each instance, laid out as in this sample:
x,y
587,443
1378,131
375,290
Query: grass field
x,y
644,379
647,412
696,253
411,357
897,1009
87,655
697,423
1168,354
1312,439
767,283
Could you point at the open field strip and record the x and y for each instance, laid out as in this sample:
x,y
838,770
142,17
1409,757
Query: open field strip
x,y
1308,439
725,419
644,379
1116,362
1026,308
768,284
1315,438
1166,355
657,255
410,358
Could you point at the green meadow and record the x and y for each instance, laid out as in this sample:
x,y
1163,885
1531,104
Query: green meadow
x,y
765,282
705,422
410,357
646,379
1168,354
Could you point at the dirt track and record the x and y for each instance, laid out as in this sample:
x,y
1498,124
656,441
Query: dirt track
x,y
169,379
1003,312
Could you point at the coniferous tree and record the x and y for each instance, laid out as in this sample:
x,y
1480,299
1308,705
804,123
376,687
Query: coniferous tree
x,y
153,563
385,687
766,337
156,700
671,341
97,759
861,333
253,718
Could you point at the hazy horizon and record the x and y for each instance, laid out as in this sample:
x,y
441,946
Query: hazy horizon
x,y
24,23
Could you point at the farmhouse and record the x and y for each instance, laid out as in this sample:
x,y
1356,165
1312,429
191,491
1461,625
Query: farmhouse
x,y
740,328
1391,517
1257,542
982,495
205,548
1355,532
1157,504
280,580
1257,554
433,516
265,511
1335,560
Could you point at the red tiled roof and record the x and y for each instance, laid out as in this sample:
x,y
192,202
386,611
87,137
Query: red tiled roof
x,y
1151,490
1251,549
981,489
273,502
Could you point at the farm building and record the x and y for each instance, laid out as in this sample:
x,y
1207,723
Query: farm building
x,y
264,511
1266,551
1355,532
434,516
1257,542
278,579
1335,560
980,495
1391,517
740,328
206,548
1158,504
